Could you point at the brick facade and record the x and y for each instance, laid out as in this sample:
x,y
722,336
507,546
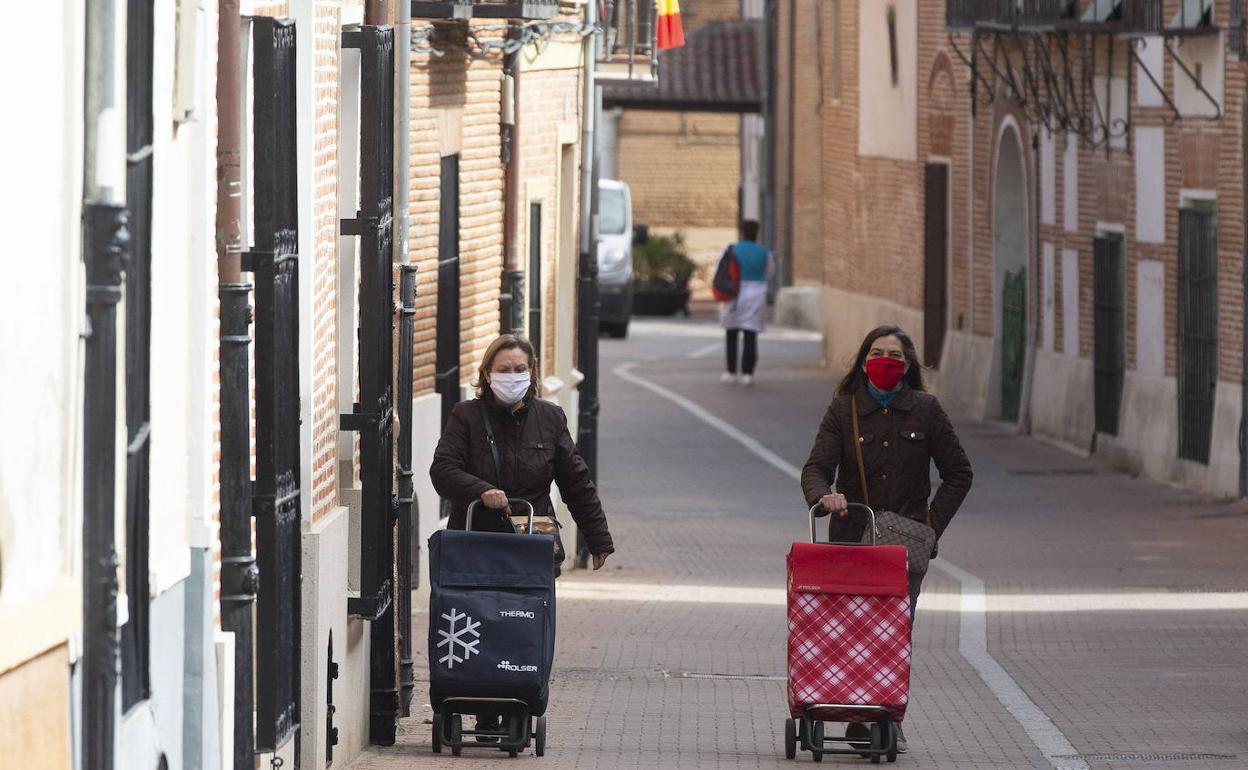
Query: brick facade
x,y
682,168
857,225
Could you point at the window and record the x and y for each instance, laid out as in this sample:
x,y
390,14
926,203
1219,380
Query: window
x,y
446,377
892,44
834,84
612,214
535,281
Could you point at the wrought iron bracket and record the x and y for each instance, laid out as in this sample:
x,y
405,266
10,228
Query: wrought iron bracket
x,y
370,607
1195,80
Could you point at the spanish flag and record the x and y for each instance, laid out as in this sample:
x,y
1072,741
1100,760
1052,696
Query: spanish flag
x,y
671,33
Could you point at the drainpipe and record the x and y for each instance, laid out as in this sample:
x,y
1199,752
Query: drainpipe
x,y
1243,339
239,575
790,240
511,301
409,510
402,125
767,204
587,277
105,243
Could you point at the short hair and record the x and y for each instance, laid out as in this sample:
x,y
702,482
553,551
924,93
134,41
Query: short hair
x,y
749,230
507,342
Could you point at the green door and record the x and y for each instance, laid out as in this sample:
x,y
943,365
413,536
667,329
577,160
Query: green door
x,y
1013,342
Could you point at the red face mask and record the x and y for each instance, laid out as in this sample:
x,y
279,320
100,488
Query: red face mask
x,y
885,373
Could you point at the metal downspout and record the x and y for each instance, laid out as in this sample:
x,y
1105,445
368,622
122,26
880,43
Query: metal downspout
x,y
239,575
587,276
104,246
511,319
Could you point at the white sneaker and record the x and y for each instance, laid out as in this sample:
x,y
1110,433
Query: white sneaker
x,y
747,380
727,378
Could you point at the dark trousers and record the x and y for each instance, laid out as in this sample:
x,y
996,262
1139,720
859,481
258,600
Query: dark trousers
x,y
916,582
749,355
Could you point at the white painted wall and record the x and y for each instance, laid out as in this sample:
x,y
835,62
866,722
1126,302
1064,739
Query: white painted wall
x,y
41,320
1070,302
1048,177
1206,53
1152,62
1070,184
887,113
183,325
1150,317
1150,184
1047,303
325,560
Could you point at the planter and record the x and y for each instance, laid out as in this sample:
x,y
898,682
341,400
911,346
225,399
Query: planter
x,y
659,300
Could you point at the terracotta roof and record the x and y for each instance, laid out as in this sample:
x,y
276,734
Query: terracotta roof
x,y
719,69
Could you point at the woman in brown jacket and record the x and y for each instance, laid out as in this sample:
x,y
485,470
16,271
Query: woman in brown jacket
x,y
534,449
902,431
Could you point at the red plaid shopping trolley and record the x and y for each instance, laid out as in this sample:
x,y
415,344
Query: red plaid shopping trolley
x,y
849,644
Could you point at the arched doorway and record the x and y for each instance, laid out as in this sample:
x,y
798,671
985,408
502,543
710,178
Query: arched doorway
x,y
1009,257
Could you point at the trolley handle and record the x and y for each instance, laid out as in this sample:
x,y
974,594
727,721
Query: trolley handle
x,y
510,501
867,508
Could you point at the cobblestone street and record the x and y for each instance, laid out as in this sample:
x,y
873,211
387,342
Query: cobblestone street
x,y
1077,617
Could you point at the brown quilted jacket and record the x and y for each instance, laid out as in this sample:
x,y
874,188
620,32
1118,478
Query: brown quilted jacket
x,y
899,444
535,449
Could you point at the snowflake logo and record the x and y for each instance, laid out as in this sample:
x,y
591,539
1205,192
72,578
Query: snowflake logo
x,y
458,648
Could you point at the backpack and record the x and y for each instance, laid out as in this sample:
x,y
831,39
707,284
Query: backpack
x,y
727,281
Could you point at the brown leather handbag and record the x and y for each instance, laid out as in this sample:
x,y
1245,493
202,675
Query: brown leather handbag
x,y
891,528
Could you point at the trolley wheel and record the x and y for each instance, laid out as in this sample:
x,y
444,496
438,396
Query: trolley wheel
x,y
878,740
437,733
816,740
891,740
790,739
539,737
457,735
512,752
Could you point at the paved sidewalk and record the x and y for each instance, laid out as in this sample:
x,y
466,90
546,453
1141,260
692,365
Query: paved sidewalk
x,y
1117,609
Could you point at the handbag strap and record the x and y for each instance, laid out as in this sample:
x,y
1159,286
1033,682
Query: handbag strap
x,y
862,474
489,435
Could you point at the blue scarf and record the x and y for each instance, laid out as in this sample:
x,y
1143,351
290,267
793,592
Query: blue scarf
x,y
883,398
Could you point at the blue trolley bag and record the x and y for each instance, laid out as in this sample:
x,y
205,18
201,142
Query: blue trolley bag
x,y
491,616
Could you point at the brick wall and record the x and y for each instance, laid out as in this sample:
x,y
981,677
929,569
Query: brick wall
x,y
682,168
548,98
858,223
470,89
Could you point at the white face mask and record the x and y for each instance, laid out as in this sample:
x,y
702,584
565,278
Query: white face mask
x,y
509,387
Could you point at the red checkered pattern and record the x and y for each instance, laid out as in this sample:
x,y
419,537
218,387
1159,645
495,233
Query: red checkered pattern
x,y
848,649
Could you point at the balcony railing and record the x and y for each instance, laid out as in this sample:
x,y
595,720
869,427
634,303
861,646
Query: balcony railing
x,y
965,14
1148,17
515,9
629,45
442,9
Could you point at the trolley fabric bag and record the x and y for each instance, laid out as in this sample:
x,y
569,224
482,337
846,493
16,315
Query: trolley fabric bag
x,y
491,617
849,630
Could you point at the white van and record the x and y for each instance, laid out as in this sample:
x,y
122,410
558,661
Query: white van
x,y
615,257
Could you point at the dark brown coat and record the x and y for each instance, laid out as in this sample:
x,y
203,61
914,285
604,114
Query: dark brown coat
x,y
899,444
534,448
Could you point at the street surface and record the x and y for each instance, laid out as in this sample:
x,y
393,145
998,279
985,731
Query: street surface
x,y
1077,617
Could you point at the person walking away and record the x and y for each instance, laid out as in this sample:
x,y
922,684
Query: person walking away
x,y
509,443
901,430
744,315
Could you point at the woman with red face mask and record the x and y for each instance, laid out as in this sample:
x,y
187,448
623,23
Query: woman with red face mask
x,y
901,430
